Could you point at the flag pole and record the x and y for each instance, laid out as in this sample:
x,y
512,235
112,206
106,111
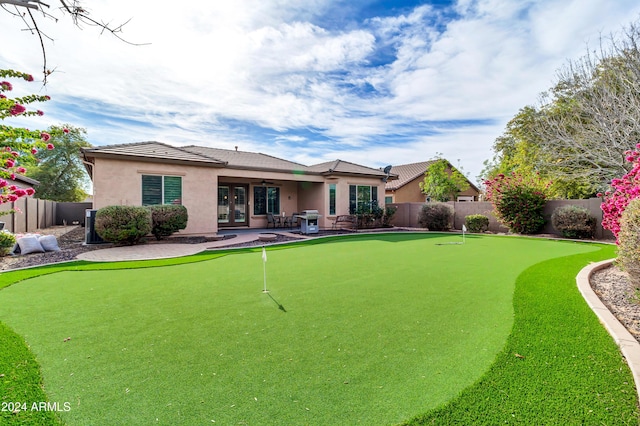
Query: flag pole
x,y
264,269
464,229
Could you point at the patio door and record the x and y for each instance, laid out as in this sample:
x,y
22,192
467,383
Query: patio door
x,y
233,205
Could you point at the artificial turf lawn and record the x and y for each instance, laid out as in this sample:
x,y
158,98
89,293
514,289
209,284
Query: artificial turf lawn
x,y
373,329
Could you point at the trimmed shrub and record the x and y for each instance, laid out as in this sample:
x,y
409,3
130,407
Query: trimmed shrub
x,y
123,224
573,222
436,217
476,223
167,219
629,241
7,241
389,212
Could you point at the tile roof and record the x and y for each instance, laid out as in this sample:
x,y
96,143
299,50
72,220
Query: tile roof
x,y
152,151
407,173
340,166
246,160
158,151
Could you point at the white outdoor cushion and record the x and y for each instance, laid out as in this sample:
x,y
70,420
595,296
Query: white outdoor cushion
x,y
49,243
30,244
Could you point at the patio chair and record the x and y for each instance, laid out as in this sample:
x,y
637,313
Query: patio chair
x,y
291,221
272,220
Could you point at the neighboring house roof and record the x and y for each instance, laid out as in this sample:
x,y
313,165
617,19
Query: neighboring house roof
x,y
407,173
27,180
216,157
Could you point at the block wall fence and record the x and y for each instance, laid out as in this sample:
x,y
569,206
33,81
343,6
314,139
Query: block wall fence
x,y
32,214
407,214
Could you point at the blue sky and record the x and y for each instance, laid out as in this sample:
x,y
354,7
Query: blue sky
x,y
372,82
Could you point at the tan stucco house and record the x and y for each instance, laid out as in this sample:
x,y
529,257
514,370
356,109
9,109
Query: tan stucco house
x,y
228,188
406,188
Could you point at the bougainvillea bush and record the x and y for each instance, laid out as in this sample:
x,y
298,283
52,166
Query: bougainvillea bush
x,y
17,145
624,190
518,202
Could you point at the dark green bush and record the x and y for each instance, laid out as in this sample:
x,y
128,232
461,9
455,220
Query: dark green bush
x,y
476,223
436,217
123,224
629,241
389,212
167,219
573,222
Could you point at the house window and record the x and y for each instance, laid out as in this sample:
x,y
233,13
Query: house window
x,y
266,199
362,197
332,199
388,200
161,190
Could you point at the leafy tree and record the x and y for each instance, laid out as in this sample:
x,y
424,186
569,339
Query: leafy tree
x,y
61,174
579,132
442,182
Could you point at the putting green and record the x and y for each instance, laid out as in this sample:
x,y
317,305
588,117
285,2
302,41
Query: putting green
x,y
364,329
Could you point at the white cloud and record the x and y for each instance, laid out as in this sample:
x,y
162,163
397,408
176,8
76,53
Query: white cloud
x,y
216,71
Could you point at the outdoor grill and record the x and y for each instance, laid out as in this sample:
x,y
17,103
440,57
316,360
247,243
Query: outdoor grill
x,y
309,221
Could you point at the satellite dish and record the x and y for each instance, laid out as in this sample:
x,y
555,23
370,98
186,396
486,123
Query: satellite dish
x,y
387,170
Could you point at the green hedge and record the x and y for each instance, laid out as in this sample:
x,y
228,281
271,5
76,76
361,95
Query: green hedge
x,y
476,223
123,224
167,219
436,217
573,222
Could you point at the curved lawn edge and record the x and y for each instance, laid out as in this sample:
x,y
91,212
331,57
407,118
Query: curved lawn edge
x,y
559,365
628,345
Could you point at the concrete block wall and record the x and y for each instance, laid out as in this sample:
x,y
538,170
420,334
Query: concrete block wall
x,y
407,214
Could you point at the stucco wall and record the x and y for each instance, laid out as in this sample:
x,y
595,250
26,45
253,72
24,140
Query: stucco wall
x,y
411,193
118,182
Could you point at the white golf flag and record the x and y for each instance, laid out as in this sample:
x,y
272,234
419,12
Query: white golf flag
x,y
264,255
464,228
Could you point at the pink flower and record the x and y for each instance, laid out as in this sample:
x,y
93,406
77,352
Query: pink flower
x,y
3,183
28,77
40,112
45,136
30,191
65,130
10,163
5,85
21,170
49,146
17,109
47,97
20,192
12,176
15,153
12,197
